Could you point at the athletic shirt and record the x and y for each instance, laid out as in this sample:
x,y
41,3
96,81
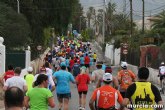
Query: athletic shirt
x,y
9,74
94,56
143,95
83,80
29,80
106,97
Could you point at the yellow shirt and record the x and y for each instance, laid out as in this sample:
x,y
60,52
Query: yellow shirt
x,y
143,97
94,56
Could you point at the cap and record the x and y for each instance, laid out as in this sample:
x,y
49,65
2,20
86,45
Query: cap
x,y
83,67
107,77
30,69
108,69
124,64
162,63
63,64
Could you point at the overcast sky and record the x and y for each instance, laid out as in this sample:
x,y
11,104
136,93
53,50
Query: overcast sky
x,y
151,6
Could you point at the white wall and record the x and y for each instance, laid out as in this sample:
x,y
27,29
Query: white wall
x,y
153,73
113,54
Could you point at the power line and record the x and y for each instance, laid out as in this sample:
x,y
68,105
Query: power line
x,y
163,6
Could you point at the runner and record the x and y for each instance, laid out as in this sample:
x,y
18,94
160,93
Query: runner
x,y
63,91
51,84
16,81
82,81
94,57
161,73
87,61
39,98
142,92
14,99
8,74
106,97
76,69
29,78
97,74
125,77
114,84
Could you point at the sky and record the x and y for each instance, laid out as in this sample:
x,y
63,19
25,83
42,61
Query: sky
x,y
152,7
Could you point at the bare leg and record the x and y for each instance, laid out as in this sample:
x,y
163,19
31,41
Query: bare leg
x,y
161,83
60,100
66,104
83,100
80,99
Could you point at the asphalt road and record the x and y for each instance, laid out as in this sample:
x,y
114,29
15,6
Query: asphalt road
x,y
73,104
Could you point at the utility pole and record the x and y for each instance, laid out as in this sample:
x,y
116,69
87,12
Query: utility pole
x,y
143,18
18,8
124,6
131,17
80,25
104,22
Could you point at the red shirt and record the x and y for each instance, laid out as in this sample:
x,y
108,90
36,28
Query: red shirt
x,y
86,60
71,62
8,74
68,50
83,80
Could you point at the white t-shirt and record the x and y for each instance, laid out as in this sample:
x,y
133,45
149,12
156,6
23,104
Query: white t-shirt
x,y
162,70
15,81
51,82
49,72
98,74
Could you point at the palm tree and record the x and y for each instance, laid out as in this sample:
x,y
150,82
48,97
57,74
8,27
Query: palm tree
x,y
158,25
110,19
90,15
100,19
159,21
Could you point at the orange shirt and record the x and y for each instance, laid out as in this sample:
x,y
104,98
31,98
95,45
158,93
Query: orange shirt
x,y
106,97
125,77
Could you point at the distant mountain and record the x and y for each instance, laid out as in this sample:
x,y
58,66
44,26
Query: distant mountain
x,y
152,7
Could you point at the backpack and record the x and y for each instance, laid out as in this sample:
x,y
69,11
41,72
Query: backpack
x,y
76,69
126,79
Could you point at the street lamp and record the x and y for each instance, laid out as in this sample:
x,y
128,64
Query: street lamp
x,y
18,9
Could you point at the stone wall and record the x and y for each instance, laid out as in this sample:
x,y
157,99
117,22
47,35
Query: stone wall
x,y
153,73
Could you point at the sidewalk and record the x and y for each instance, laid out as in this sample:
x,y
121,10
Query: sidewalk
x,y
2,105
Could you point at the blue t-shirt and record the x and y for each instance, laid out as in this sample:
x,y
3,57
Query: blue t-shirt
x,y
91,61
63,78
81,60
103,67
67,62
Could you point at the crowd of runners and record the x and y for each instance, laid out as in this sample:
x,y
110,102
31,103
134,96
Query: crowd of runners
x,y
74,61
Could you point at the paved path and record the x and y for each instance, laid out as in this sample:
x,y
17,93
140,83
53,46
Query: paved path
x,y
73,105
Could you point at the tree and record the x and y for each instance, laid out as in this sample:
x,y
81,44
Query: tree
x,y
159,21
90,15
158,26
13,27
42,14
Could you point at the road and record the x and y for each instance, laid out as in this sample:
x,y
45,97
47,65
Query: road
x,y
73,105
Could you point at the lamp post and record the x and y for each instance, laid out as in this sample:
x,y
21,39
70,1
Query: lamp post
x,y
18,8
